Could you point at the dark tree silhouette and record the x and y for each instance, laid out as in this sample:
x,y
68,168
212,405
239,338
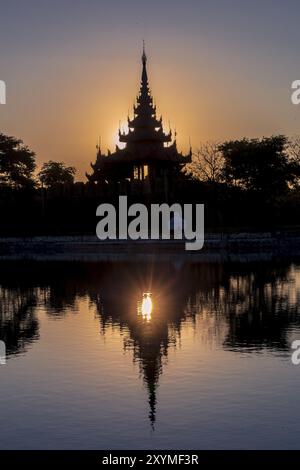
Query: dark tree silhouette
x,y
53,173
244,184
208,163
17,163
260,165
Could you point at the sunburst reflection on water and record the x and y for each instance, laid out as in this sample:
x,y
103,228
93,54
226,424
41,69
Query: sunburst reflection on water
x,y
145,307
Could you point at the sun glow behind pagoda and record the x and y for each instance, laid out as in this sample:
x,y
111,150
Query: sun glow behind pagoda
x,y
149,157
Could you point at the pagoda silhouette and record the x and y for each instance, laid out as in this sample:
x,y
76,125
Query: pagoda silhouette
x,y
150,161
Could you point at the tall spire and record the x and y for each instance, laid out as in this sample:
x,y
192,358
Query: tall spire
x,y
144,62
144,57
145,127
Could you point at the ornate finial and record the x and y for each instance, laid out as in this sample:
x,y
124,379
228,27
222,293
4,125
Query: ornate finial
x,y
175,137
98,146
144,57
144,72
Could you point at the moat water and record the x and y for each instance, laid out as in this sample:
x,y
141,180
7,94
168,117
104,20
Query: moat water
x,y
149,354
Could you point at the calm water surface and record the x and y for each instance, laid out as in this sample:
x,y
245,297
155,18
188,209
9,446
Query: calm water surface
x,y
149,354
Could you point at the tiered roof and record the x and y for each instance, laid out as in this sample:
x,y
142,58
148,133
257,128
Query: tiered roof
x,y
146,140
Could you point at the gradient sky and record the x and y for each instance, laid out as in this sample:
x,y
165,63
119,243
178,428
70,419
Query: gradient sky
x,y
218,70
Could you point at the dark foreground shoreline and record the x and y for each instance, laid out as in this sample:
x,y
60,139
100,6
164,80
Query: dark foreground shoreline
x,y
241,246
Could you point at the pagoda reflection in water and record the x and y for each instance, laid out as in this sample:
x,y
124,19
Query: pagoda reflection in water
x,y
240,308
